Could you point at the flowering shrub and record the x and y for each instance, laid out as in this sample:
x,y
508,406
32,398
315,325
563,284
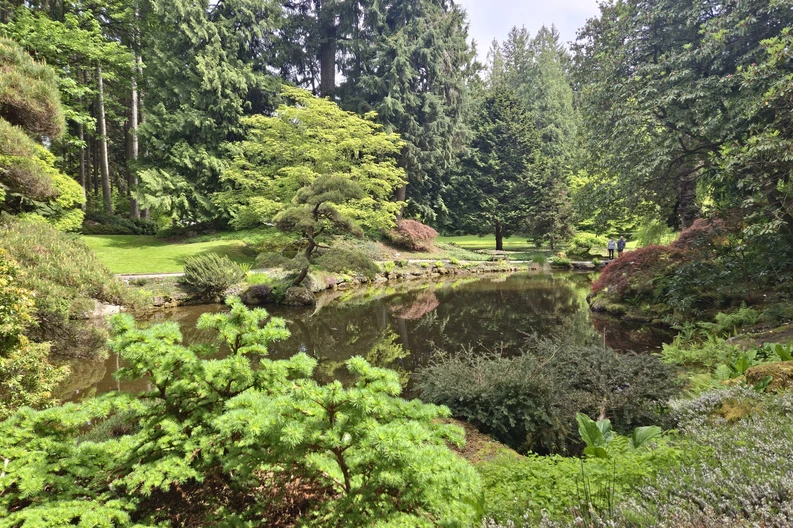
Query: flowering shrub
x,y
412,235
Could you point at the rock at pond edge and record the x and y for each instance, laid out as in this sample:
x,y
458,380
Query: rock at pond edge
x,y
297,296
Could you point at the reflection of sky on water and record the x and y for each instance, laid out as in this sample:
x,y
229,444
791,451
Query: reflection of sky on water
x,y
402,326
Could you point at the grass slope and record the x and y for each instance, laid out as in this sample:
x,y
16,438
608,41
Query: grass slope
x,y
130,254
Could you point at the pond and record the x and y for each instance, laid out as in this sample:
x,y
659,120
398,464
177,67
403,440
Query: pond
x,y
403,325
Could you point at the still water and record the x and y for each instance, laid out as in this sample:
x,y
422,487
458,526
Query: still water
x,y
402,326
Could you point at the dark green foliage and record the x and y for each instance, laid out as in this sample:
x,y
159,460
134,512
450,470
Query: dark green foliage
x,y
241,433
210,275
495,190
200,81
529,401
105,224
67,278
340,260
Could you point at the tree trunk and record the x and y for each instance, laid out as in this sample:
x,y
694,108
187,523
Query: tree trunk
x,y
400,195
499,237
104,165
134,209
81,135
686,188
327,49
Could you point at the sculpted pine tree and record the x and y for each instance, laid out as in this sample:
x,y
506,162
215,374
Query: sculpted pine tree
x,y
315,212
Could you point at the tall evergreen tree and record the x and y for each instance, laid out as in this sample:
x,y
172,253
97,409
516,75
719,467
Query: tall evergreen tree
x,y
498,187
201,79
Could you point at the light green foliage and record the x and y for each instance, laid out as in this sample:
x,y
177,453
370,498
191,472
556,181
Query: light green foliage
x,y
602,442
519,490
26,376
340,260
67,277
388,267
425,265
729,324
313,138
30,110
783,352
260,425
438,264
453,261
583,243
652,232
210,275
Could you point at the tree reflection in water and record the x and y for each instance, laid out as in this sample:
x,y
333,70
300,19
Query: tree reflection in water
x,y
402,326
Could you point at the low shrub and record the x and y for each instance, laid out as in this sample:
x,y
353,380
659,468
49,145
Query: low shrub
x,y
582,243
210,275
530,401
635,274
26,376
97,223
413,235
67,279
274,260
737,469
339,260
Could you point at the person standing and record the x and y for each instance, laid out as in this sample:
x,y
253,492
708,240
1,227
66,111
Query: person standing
x,y
620,246
611,247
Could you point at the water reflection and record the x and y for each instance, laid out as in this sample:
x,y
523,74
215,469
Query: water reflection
x,y
402,326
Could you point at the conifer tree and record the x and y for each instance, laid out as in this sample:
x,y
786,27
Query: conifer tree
x,y
498,187
201,79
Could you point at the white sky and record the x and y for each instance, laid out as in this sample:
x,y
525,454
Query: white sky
x,y
491,19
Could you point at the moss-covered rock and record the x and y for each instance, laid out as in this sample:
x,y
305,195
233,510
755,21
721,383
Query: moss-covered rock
x,y
781,375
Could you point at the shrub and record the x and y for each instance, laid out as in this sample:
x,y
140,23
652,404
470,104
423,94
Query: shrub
x,y
737,469
635,274
339,260
274,260
539,259
210,275
582,243
101,223
412,235
250,441
66,278
529,401
26,376
653,232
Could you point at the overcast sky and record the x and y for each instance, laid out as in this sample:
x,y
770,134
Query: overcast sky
x,y
491,19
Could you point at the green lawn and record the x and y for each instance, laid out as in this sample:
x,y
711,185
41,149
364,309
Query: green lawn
x,y
148,254
488,242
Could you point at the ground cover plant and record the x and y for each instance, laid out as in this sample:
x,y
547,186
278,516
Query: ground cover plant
x,y
250,440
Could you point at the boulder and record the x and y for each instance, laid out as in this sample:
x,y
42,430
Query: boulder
x,y
781,375
297,296
257,295
583,265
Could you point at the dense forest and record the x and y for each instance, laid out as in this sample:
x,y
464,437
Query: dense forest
x,y
337,140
